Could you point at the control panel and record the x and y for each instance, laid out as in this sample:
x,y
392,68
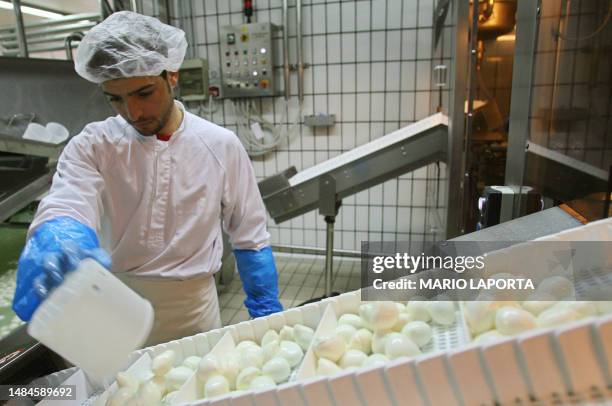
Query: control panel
x,y
247,60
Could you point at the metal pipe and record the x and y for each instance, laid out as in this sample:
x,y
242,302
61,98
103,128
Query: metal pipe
x,y
56,30
23,46
286,50
68,43
57,21
297,249
329,255
41,40
134,6
300,51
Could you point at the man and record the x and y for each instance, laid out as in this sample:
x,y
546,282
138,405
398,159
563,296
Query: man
x,y
154,183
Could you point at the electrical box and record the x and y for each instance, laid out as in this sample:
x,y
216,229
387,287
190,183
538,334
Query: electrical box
x,y
247,60
193,80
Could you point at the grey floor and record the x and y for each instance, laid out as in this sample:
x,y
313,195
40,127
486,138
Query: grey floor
x,y
300,277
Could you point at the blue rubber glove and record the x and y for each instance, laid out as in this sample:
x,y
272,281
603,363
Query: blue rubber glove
x,y
56,247
259,280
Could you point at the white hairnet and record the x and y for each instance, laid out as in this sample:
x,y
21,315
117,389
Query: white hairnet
x,y
129,44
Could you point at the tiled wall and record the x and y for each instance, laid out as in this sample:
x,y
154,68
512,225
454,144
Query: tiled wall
x,y
572,91
370,65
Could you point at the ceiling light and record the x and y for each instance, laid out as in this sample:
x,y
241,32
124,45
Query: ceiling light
x,y
30,10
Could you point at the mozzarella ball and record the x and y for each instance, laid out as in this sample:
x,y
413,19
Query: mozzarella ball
x,y
480,315
402,319
327,368
583,308
163,363
192,362
230,367
303,335
441,311
379,340
331,347
149,394
419,332
262,382
352,358
398,345
375,360
558,287
246,376
291,352
352,320
286,334
270,350
122,396
209,365
362,341
488,337
176,377
511,320
536,307
557,315
278,369
379,315
346,332
417,310
125,379
169,398
215,386
251,356
269,336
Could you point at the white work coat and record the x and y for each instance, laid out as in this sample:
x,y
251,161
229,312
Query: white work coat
x,y
157,205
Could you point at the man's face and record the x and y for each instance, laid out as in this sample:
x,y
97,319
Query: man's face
x,y
145,102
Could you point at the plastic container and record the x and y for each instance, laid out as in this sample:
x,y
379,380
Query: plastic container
x,y
94,321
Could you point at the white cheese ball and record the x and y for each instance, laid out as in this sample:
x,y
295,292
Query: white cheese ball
x,y
215,386
402,319
270,350
327,368
441,312
379,315
251,356
122,396
331,347
419,332
230,367
583,308
290,351
346,332
286,334
246,376
149,394
209,366
379,340
269,336
351,320
558,287
512,320
303,335
262,382
362,341
398,345
480,315
556,316
169,398
246,344
352,358
163,363
417,310
278,369
192,362
176,377
536,307
125,379
488,337
375,360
